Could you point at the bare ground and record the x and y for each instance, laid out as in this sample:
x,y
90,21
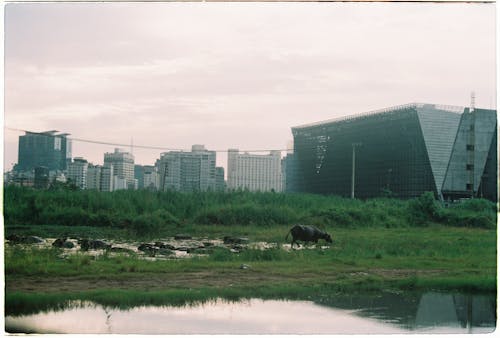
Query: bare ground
x,y
163,281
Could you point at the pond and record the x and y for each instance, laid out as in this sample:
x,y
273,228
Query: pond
x,y
383,313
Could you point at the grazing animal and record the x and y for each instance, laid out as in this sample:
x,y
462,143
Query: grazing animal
x,y
307,233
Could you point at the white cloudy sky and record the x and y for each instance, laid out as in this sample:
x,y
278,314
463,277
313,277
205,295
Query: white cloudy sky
x,y
232,75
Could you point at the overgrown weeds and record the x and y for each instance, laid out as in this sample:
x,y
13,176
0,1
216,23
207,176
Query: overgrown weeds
x,y
145,213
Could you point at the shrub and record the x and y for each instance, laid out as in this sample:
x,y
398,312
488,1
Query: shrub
x,y
423,209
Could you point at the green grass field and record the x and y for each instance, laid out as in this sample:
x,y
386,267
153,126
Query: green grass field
x,y
378,245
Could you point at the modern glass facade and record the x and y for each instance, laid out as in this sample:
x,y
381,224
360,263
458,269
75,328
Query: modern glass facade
x,y
405,150
46,149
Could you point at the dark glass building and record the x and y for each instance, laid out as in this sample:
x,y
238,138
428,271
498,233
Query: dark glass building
x,y
404,150
46,149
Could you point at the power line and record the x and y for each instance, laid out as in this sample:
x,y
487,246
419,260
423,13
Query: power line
x,y
135,145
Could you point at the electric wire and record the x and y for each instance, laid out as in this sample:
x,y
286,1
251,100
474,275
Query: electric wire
x,y
137,146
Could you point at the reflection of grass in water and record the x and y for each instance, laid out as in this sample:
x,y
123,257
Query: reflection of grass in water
x,y
17,303
25,304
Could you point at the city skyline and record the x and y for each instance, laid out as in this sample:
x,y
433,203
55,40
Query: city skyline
x,y
232,75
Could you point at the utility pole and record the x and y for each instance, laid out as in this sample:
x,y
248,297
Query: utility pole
x,y
353,176
471,144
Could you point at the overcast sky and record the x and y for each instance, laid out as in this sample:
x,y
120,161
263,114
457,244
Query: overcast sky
x,y
232,75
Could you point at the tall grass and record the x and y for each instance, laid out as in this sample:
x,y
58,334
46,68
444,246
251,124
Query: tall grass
x,y
146,213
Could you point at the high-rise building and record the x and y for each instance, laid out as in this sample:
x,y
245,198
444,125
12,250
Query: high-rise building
x,y
187,171
289,168
94,177
151,180
220,183
106,179
139,175
123,168
254,172
46,149
405,150
77,172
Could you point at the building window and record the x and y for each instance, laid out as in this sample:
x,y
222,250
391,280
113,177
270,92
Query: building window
x,y
468,186
470,147
469,167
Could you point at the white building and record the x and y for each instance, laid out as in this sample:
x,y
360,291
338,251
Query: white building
x,y
123,167
77,172
187,171
254,172
119,183
151,180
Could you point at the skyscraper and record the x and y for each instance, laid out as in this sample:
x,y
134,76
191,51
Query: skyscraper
x,y
123,167
188,171
46,149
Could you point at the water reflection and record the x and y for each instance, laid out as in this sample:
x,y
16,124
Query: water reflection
x,y
382,314
428,312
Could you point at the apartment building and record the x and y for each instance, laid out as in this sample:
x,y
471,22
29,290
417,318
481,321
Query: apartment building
x,y
188,171
77,172
254,172
123,169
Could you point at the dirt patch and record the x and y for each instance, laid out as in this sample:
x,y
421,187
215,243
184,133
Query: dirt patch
x,y
147,281
220,278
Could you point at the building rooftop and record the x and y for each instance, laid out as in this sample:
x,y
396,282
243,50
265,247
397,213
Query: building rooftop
x,y
453,109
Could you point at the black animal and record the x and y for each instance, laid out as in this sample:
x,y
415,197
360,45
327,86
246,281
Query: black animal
x,y
307,233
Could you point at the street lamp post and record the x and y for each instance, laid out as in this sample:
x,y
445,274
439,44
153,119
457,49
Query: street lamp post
x,y
353,176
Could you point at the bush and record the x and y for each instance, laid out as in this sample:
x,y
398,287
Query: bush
x,y
151,224
461,218
423,209
477,205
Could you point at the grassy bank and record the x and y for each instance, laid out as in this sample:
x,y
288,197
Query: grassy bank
x,y
362,259
378,244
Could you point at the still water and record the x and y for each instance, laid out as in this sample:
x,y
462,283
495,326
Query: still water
x,y
374,314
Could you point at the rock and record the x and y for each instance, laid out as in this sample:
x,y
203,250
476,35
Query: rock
x,y
244,266
207,244
182,248
33,240
166,246
148,249
122,250
199,250
182,236
165,252
86,244
14,238
237,247
235,240
63,243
